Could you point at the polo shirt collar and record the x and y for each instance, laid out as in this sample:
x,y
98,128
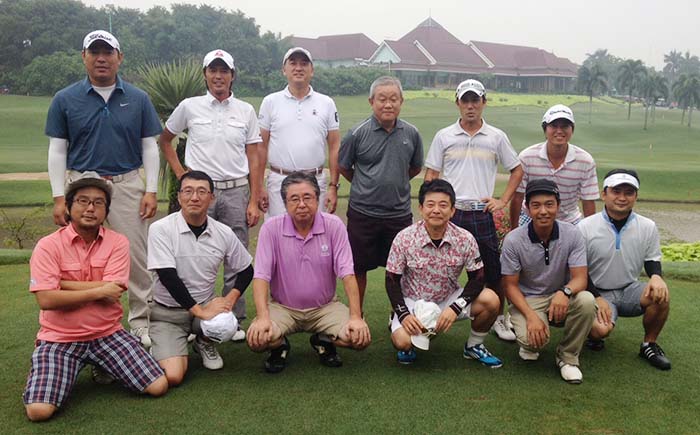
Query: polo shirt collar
x,y
289,94
570,153
533,235
213,100
607,219
424,238
86,86
288,229
459,130
72,234
182,227
377,126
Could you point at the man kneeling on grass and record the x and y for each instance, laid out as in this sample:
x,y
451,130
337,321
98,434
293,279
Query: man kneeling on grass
x,y
78,275
186,249
298,257
544,275
424,263
619,243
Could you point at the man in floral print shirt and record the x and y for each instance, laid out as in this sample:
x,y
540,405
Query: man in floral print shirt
x,y
424,263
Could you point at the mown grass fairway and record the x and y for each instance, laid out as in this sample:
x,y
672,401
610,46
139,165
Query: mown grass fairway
x,y
441,393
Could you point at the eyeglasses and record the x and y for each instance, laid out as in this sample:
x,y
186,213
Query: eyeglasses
x,y
188,192
97,202
306,199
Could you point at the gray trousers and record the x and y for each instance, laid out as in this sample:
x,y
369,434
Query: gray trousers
x,y
229,208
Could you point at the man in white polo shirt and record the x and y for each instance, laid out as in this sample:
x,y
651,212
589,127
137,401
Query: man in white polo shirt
x,y
619,243
185,250
296,124
467,153
222,134
572,168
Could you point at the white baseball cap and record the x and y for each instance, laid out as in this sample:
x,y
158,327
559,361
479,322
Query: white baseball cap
x,y
218,54
470,85
427,313
617,179
100,35
558,111
221,327
293,50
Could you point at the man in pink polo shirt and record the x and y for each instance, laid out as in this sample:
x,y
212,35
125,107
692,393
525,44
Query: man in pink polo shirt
x,y
298,258
78,275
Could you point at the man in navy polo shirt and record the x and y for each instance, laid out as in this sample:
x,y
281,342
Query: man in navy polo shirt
x,y
104,125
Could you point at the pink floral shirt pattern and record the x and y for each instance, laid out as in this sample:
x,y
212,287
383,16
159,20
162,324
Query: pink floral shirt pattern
x,y
428,272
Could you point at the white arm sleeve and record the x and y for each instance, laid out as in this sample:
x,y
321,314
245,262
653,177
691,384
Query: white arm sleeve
x,y
151,163
58,153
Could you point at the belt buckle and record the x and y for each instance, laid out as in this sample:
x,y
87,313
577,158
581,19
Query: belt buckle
x,y
477,206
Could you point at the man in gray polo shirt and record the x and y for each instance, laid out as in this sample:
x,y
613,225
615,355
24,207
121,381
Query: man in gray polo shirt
x,y
536,261
379,156
619,243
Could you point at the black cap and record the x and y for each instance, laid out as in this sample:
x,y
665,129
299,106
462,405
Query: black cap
x,y
542,185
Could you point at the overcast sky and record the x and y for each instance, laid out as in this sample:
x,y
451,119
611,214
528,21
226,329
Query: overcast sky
x,y
639,29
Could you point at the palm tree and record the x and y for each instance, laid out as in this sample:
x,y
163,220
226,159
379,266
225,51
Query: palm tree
x,y
590,80
690,64
631,73
686,90
167,85
653,88
673,61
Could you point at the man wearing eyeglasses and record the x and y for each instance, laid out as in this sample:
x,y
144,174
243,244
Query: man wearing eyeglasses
x,y
185,250
78,275
106,125
299,257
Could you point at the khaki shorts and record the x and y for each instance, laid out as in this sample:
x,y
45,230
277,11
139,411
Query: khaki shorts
x,y
169,330
328,319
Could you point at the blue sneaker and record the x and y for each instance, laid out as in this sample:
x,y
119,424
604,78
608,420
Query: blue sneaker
x,y
406,357
481,354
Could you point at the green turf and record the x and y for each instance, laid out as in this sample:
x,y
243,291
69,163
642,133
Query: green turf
x,y
22,142
371,393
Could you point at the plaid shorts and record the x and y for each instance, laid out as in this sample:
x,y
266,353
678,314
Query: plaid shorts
x,y
482,227
55,366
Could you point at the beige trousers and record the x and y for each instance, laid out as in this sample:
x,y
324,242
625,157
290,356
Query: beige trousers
x,y
579,319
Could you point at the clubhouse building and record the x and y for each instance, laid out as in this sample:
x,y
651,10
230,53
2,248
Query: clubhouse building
x,y
431,57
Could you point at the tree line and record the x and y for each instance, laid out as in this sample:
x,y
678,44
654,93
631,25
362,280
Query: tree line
x,y
41,40
678,84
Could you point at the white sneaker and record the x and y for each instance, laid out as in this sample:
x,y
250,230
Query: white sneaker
x,y
210,356
501,330
570,373
142,334
527,355
191,337
238,336
509,324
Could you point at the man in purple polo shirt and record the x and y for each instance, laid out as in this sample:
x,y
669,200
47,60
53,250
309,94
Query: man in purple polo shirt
x,y
298,258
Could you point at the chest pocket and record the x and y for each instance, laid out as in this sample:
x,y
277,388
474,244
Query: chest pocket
x,y
71,271
236,131
201,130
97,269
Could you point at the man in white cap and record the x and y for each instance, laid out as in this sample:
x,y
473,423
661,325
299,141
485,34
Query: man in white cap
x,y
78,275
222,138
467,154
424,264
185,250
572,168
108,126
619,243
296,124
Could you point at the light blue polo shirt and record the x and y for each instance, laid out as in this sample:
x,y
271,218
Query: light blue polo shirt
x,y
102,137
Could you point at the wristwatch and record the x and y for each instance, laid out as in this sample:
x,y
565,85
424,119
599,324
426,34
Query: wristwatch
x,y
567,291
336,185
461,303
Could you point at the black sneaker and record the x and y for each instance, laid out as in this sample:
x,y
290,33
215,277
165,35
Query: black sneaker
x,y
653,353
595,345
277,360
326,351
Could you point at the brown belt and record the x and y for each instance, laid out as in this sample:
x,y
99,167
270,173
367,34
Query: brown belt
x,y
314,171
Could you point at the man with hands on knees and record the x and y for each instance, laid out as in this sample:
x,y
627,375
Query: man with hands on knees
x,y
78,275
619,243
424,264
185,250
299,257
545,276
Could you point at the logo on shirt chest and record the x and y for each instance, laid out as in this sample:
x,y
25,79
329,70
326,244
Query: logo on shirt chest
x,y
314,112
325,250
